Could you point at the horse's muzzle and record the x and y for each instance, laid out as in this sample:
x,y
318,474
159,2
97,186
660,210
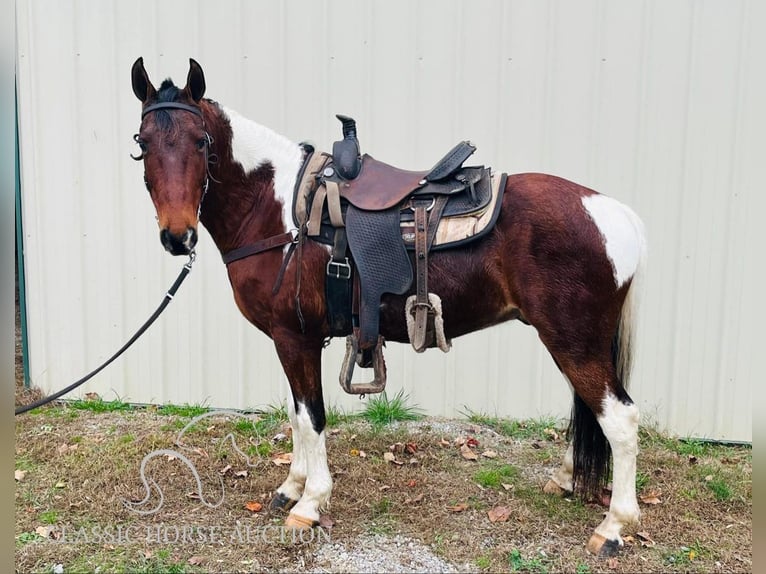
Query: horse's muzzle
x,y
179,244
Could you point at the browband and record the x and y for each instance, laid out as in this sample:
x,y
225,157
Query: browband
x,y
173,106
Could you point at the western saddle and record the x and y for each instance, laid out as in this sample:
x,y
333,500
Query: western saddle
x,y
380,221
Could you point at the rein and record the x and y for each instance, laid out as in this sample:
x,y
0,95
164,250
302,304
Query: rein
x,y
165,301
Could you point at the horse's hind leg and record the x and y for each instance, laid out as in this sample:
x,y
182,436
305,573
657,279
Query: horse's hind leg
x,y
561,479
603,410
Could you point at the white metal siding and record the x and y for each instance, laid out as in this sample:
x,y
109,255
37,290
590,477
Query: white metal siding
x,y
658,104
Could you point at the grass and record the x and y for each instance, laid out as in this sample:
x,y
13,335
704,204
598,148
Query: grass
x,y
99,405
380,410
186,410
540,428
704,522
495,476
520,564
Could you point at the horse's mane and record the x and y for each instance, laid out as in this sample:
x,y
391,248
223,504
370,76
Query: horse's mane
x,y
168,92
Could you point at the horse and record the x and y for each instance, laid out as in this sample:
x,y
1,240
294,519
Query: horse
x,y
560,257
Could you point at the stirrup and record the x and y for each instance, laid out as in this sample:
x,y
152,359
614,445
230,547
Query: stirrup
x,y
378,384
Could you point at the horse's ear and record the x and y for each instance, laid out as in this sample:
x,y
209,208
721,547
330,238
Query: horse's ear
x,y
195,81
142,86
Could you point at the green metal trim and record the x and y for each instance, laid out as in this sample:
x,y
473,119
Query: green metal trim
x,y
20,258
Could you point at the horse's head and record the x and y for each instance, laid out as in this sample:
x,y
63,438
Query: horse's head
x,y
174,149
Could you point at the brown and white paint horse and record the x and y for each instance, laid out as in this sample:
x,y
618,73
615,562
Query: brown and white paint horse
x,y
561,257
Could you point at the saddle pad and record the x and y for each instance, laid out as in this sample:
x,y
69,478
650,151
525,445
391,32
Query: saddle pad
x,y
454,231
381,261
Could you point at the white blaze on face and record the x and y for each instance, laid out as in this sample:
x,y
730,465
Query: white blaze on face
x,y
253,145
622,232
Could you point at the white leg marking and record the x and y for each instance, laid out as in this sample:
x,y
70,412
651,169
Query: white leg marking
x,y
622,232
293,485
253,145
316,495
563,475
620,425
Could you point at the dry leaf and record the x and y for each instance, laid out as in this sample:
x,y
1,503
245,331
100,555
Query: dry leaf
x,y
628,539
472,442
326,522
279,437
415,500
709,478
414,461
384,488
612,563
92,397
645,539
460,507
196,560
19,475
410,448
60,484
467,453
506,486
389,457
551,433
193,495
499,514
283,459
652,497
412,483
460,441
354,452
44,531
444,443
241,474
489,454
225,469
254,506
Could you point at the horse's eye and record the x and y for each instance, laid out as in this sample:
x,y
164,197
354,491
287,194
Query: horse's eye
x,y
201,143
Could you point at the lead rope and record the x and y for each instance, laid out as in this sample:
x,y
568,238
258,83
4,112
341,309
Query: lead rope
x,y
165,302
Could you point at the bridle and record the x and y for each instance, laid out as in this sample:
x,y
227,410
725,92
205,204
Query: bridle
x,y
209,158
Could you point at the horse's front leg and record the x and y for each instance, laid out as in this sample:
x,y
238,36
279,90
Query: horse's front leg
x,y
309,481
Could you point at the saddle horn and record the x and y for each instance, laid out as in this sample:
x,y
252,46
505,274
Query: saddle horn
x,y
346,154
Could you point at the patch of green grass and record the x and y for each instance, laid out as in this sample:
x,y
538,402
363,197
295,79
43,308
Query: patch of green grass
x,y
520,564
642,479
126,438
381,411
100,405
185,410
483,562
523,429
720,488
582,568
686,555
27,537
335,416
49,517
262,449
493,476
24,463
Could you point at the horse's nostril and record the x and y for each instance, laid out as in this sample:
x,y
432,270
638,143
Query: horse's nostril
x,y
178,244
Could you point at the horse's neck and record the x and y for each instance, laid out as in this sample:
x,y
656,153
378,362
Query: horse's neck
x,y
256,174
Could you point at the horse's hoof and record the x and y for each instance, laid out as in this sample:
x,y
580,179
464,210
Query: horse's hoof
x,y
551,487
295,522
282,502
600,546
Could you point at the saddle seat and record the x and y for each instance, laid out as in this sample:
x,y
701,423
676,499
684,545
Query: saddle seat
x,y
380,186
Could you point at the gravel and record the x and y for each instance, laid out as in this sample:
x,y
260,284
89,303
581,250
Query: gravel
x,y
376,553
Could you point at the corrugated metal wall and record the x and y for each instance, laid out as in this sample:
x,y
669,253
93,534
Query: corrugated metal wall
x,y
658,104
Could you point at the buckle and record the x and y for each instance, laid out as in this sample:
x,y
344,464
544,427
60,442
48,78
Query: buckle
x,y
339,270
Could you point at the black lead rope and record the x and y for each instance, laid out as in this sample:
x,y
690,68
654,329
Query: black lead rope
x,y
165,301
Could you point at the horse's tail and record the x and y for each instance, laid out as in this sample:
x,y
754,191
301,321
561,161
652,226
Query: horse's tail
x,y
591,451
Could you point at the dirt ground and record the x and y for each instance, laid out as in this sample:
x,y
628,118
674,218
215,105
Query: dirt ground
x,y
431,509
